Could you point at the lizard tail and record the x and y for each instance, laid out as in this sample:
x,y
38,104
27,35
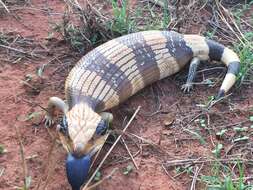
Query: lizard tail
x,y
206,49
218,52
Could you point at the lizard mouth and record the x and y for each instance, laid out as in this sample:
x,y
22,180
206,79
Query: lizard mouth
x,y
79,149
93,146
80,161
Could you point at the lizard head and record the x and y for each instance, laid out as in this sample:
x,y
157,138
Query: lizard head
x,y
82,124
85,134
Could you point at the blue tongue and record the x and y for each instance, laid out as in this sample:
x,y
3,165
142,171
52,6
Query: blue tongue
x,y
77,169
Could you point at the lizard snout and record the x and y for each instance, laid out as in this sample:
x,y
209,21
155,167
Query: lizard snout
x,y
78,148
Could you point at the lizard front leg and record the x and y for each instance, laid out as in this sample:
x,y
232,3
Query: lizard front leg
x,y
191,74
54,102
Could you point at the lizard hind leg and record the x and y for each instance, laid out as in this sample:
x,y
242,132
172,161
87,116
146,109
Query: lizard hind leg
x,y
191,74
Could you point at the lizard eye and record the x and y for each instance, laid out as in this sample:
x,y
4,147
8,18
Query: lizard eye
x,y
63,127
102,127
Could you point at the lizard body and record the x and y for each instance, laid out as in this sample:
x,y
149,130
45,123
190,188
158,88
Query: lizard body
x,y
114,71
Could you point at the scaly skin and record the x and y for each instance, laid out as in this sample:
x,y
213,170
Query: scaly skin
x,y
116,70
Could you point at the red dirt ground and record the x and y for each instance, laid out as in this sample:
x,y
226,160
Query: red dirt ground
x,y
17,101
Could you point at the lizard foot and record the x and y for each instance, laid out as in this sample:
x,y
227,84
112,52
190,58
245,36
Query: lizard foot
x,y
187,87
48,121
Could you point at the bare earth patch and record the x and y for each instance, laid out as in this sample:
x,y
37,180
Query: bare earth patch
x,y
22,90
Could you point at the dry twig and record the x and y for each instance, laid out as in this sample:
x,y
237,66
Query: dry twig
x,y
6,8
195,177
108,153
130,154
198,161
24,165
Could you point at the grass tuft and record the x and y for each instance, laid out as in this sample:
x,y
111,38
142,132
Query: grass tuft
x,y
216,182
121,23
85,27
245,52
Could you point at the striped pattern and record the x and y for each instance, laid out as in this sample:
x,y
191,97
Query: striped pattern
x,y
119,68
116,70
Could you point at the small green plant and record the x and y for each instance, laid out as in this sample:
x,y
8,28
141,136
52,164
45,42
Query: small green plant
x,y
166,17
239,139
2,149
240,129
196,134
244,46
98,176
40,70
216,182
76,36
156,19
28,181
245,52
210,34
240,10
128,169
202,123
221,133
217,150
86,29
185,169
121,23
210,83
210,98
82,30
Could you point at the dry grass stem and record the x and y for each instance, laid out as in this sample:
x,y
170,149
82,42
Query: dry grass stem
x,y
130,154
195,177
96,156
199,161
223,18
13,49
6,8
166,171
22,154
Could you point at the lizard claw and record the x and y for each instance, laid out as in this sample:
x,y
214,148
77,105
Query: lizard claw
x,y
187,87
48,121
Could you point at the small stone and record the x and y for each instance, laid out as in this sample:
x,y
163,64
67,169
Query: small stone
x,y
169,119
145,154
